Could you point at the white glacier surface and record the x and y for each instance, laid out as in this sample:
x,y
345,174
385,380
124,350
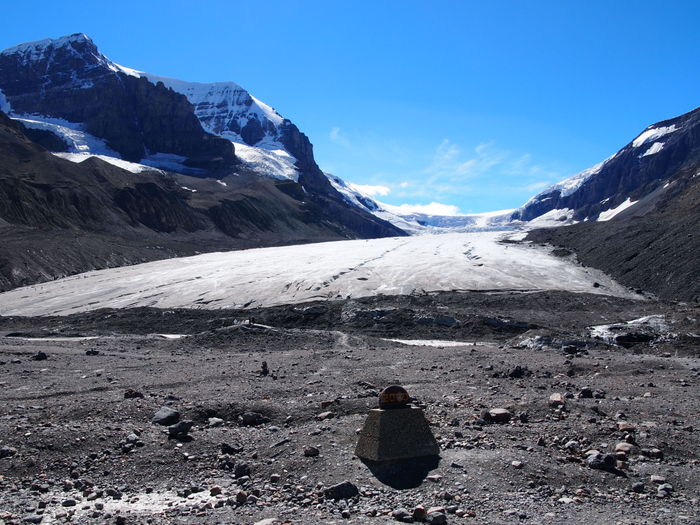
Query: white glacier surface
x,y
301,273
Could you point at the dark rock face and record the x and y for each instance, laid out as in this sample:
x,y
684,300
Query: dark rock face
x,y
70,79
635,172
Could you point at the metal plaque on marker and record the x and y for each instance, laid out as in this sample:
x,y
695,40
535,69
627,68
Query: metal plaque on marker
x,y
394,397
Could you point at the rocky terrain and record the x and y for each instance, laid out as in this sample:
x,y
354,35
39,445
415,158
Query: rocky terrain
x,y
654,248
548,407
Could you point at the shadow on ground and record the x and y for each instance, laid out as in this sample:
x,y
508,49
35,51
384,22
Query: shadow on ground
x,y
403,473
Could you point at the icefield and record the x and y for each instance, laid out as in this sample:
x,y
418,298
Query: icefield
x,y
332,270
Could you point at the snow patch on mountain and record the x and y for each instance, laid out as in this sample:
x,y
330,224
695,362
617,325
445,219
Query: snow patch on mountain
x,y
275,163
609,214
82,145
652,134
552,219
654,148
72,133
133,167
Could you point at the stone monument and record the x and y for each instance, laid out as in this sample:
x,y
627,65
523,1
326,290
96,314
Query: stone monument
x,y
395,430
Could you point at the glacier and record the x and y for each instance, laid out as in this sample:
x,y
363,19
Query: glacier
x,y
325,271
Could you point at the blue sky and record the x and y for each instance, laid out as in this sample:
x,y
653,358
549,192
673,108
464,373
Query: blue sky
x,y
474,105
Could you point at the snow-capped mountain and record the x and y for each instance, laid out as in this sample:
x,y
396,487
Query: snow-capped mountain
x,y
638,172
78,103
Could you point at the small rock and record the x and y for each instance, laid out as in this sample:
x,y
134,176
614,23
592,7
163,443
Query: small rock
x,y
402,515
242,469
625,448
69,503
658,479
241,496
572,445
325,415
436,518
601,461
180,429
252,419
342,490
274,478
7,452
215,490
130,393
215,422
557,400
585,393
40,356
311,452
33,518
419,513
517,464
92,351
664,490
229,449
654,453
500,415
166,416
624,426
638,487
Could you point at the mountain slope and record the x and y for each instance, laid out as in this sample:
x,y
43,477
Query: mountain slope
x,y
653,245
638,170
59,218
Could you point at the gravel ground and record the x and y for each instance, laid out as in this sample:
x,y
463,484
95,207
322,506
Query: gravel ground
x,y
78,445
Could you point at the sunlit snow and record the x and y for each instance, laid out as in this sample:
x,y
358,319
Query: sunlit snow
x,y
133,167
652,134
654,148
609,214
275,163
295,274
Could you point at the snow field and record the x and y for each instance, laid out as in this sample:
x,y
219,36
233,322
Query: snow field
x,y
296,274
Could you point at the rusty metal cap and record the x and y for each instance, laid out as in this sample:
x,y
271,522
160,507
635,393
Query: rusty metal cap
x,y
394,396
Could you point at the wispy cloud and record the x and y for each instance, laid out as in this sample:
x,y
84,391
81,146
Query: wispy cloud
x,y
371,190
433,208
420,179
339,138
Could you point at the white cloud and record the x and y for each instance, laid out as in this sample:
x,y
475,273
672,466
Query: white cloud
x,y
434,208
536,186
339,138
371,190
